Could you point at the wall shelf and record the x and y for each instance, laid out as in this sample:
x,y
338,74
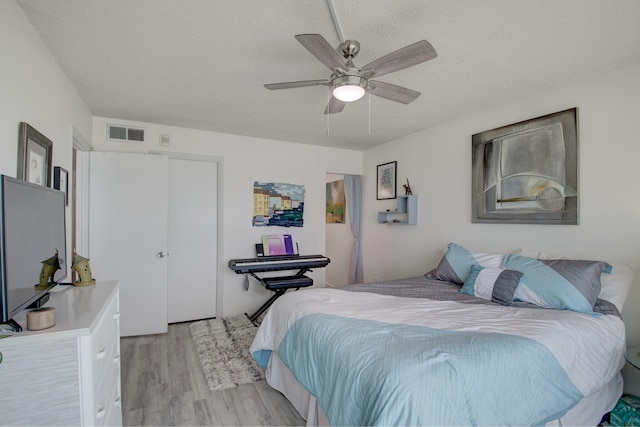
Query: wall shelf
x,y
407,212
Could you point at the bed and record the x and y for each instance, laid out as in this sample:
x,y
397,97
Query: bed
x,y
473,342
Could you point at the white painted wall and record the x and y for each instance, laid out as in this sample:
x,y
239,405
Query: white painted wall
x,y
339,244
35,90
244,160
437,162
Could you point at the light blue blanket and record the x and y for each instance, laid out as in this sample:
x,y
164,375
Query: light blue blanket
x,y
391,374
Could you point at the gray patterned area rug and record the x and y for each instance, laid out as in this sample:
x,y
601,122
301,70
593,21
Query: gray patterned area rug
x,y
223,348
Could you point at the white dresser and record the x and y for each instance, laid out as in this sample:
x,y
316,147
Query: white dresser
x,y
68,374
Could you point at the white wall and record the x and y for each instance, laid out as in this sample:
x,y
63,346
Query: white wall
x,y
339,244
36,91
243,161
437,162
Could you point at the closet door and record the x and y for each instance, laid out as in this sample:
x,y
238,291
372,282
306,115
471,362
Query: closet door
x,y
192,240
128,235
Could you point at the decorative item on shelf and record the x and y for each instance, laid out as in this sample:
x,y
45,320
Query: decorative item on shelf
x,y
407,188
81,266
49,267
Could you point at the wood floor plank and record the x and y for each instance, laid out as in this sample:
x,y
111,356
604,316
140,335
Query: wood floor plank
x,y
163,384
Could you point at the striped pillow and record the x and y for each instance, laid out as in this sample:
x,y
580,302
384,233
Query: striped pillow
x,y
558,283
495,284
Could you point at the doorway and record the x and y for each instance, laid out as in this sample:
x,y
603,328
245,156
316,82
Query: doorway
x,y
339,238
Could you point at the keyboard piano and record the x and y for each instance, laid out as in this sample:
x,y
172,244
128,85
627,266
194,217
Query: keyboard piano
x,y
275,263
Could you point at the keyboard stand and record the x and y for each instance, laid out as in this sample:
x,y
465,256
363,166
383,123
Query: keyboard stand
x,y
279,285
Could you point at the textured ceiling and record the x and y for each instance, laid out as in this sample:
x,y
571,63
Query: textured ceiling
x,y
202,63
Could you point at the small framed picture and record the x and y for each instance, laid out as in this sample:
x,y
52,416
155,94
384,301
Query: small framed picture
x,y
61,182
34,156
386,187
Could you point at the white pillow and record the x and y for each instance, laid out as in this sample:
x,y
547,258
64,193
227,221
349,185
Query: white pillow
x,y
615,286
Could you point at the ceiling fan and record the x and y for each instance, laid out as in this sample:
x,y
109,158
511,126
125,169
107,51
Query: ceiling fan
x,y
349,83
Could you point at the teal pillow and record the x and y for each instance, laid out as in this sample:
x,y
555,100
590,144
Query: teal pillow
x,y
455,265
558,283
495,284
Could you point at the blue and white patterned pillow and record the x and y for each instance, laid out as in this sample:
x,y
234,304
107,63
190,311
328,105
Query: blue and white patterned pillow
x,y
495,284
558,283
455,265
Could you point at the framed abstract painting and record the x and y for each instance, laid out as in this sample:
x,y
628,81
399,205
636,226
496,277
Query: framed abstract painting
x,y
386,186
527,172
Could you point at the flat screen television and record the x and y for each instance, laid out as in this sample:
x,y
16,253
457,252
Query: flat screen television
x,y
32,231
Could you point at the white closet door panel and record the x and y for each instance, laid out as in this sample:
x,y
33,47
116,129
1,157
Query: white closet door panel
x,y
128,229
192,237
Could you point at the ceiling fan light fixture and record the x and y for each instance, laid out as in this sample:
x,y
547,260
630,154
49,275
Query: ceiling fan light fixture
x,y
349,88
348,93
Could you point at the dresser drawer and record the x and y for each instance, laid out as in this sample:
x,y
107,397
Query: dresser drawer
x,y
106,330
109,408
106,366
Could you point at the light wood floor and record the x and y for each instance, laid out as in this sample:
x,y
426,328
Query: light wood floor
x,y
163,384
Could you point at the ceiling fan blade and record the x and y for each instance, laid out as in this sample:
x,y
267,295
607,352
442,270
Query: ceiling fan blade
x,y
406,57
321,49
334,106
301,83
392,92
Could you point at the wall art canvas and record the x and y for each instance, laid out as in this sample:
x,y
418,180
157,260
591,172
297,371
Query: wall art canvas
x,y
527,172
386,185
34,156
335,202
277,204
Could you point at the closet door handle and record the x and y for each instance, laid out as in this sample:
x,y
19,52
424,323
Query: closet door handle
x,y
162,254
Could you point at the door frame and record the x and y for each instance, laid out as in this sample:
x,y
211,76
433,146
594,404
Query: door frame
x,y
80,192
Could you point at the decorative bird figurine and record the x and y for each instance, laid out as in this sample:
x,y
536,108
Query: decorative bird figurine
x,y
407,188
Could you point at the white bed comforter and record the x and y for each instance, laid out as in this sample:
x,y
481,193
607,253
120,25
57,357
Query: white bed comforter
x,y
372,359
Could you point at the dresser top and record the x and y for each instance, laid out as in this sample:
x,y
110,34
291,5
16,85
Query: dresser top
x,y
78,310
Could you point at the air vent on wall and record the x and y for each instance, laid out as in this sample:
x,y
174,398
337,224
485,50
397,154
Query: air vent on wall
x,y
123,133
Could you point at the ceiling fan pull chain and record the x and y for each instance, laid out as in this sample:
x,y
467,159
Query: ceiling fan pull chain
x,y
369,112
328,101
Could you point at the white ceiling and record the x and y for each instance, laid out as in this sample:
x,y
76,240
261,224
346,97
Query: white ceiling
x,y
202,63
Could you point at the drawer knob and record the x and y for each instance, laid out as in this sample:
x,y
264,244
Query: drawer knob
x,y
101,411
101,353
